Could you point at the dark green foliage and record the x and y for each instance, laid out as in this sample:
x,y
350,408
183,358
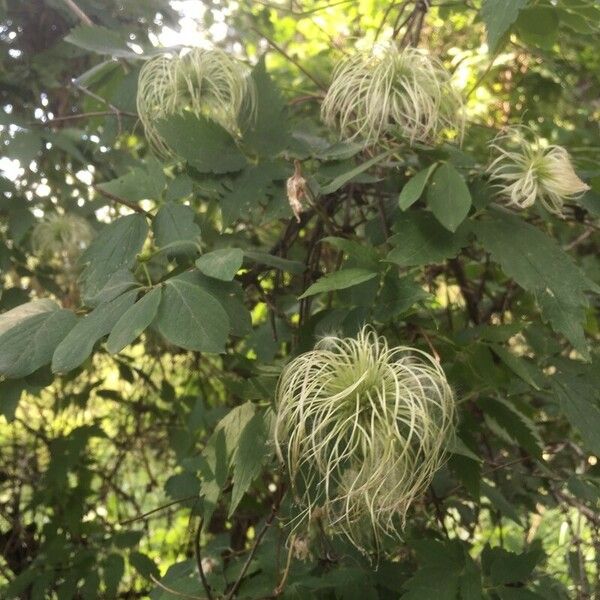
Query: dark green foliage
x,y
138,379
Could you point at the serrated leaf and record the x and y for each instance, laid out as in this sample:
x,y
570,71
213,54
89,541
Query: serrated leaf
x,y
580,402
174,228
421,240
501,503
535,261
78,344
221,264
268,133
203,143
413,188
141,183
517,365
250,191
507,567
517,426
397,295
344,178
448,197
134,321
191,318
250,456
114,249
339,280
566,319
29,334
498,16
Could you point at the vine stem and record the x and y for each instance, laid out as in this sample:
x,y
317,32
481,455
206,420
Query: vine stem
x,y
78,12
257,541
198,556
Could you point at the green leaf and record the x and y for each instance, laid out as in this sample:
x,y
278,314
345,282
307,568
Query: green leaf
x,y
231,297
250,191
251,454
515,425
359,254
498,16
118,283
191,318
501,503
537,263
134,321
114,249
338,280
271,260
144,565
580,402
221,264
10,395
113,569
204,144
29,334
421,240
413,189
441,565
538,26
448,197
397,295
565,318
344,178
101,41
269,131
507,567
79,343
517,365
147,182
174,227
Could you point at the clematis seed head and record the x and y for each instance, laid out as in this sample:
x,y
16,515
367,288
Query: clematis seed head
x,y
362,429
208,83
525,171
392,92
61,237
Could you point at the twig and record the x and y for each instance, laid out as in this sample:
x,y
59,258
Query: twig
x,y
122,201
199,561
174,592
281,51
78,12
257,542
97,113
281,585
116,111
155,510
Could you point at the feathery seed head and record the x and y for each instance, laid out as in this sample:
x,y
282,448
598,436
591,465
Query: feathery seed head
x,y
207,82
392,92
525,171
61,236
362,428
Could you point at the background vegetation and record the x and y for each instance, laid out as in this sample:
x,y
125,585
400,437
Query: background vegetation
x,y
120,472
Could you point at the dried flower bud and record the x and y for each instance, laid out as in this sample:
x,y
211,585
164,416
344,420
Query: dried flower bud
x,y
296,190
